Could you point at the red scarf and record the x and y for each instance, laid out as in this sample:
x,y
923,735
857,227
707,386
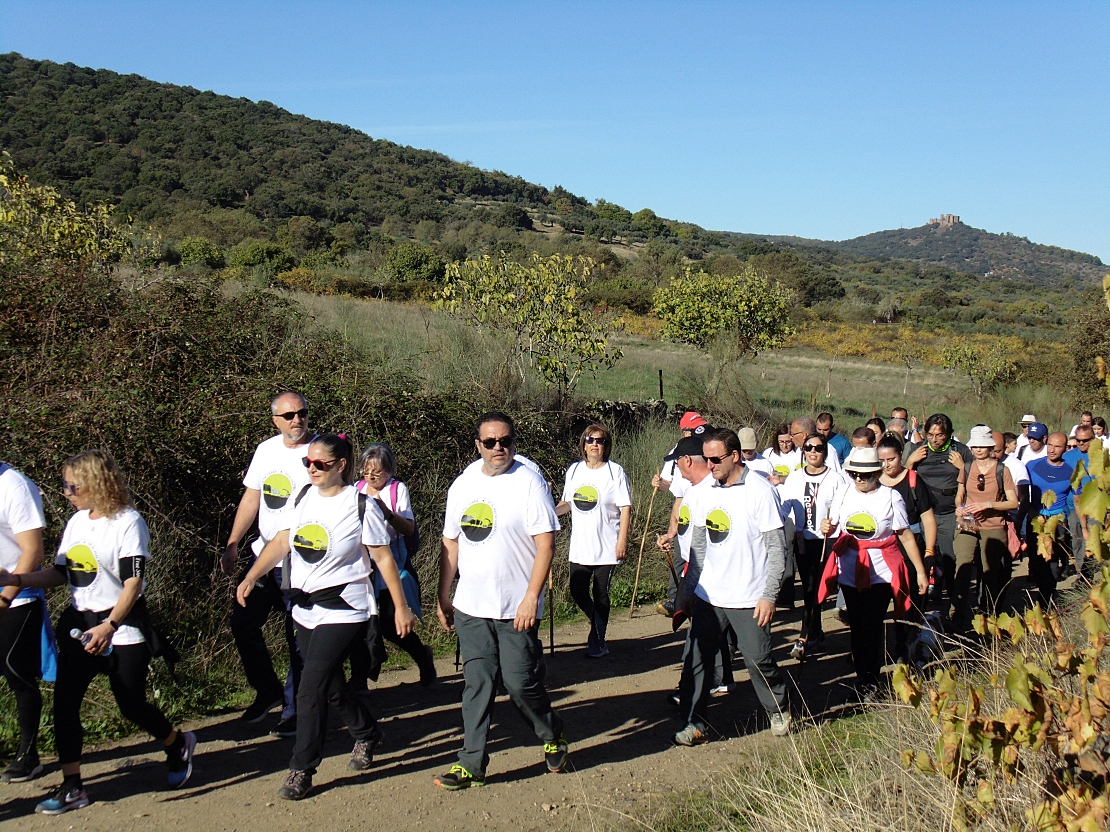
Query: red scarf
x,y
888,547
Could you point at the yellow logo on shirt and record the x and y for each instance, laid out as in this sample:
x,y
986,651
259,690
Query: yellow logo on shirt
x,y
311,542
683,518
861,524
276,491
782,470
718,525
585,498
477,522
81,565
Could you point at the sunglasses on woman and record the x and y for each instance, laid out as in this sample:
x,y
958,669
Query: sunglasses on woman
x,y
859,476
319,464
809,449
594,440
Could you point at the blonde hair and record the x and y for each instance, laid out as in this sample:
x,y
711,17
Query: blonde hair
x,y
100,480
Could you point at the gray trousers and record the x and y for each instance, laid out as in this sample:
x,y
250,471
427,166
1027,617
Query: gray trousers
x,y
491,648
707,625
946,558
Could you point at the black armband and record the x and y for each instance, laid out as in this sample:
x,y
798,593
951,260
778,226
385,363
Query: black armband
x,y
132,567
61,568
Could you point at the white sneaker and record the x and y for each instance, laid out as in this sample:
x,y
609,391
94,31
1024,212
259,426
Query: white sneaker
x,y
798,651
721,690
780,723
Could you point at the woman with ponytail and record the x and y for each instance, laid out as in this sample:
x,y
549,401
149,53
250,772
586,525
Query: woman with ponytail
x,y
331,528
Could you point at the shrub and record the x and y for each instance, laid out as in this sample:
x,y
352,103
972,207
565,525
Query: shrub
x,y
412,261
253,253
201,252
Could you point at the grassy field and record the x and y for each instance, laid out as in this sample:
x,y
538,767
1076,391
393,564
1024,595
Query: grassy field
x,y
779,385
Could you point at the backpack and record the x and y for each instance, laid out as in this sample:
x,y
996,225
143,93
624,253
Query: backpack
x,y
412,541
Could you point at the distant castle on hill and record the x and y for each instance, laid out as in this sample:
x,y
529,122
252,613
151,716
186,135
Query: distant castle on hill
x,y
945,220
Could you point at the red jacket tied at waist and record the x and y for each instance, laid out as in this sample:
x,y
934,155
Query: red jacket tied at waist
x,y
888,548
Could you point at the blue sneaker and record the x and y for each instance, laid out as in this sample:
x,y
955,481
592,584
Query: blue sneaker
x,y
181,765
62,799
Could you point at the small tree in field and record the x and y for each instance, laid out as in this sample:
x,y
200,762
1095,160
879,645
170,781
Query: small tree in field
x,y
987,367
538,306
732,316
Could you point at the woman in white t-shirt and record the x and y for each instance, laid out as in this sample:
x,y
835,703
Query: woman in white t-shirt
x,y
331,527
379,468
809,494
21,615
596,494
106,629
871,520
782,454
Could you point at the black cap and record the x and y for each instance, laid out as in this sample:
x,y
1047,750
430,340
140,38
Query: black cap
x,y
687,446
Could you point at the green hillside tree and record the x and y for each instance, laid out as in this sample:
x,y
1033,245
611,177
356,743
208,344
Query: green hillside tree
x,y
200,251
539,307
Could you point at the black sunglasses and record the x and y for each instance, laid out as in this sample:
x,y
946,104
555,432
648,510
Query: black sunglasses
x,y
492,442
981,482
717,460
69,488
862,475
303,413
811,448
595,440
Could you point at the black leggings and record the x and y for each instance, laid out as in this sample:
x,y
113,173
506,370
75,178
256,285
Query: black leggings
x,y
866,614
126,668
596,608
810,566
411,643
324,650
21,654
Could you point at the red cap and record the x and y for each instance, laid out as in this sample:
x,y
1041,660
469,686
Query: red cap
x,y
691,419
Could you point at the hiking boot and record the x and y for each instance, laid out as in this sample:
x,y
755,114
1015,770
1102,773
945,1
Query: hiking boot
x,y
665,608
798,651
179,760
62,799
428,674
285,727
24,768
555,754
780,723
689,736
261,707
459,778
362,756
297,786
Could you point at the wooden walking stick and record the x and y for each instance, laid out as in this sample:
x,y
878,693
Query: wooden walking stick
x,y
643,540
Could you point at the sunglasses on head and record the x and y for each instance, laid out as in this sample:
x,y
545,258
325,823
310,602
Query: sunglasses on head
x,y
595,440
303,413
862,475
318,464
495,441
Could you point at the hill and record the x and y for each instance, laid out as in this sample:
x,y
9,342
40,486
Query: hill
x,y
967,249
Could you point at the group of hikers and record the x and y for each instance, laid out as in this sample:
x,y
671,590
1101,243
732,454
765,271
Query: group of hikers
x,y
898,516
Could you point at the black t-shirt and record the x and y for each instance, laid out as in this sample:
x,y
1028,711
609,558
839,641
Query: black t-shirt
x,y
941,477
916,498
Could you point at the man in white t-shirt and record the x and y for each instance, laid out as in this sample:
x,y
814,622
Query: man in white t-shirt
x,y
273,480
737,558
21,612
1034,448
1023,438
498,539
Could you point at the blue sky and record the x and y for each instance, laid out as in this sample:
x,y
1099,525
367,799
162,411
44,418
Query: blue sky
x,y
825,120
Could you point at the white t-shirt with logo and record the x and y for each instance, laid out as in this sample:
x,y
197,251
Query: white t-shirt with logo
x,y
279,473
760,465
781,463
91,551
735,518
872,516
596,497
326,541
810,497
494,520
689,509
20,511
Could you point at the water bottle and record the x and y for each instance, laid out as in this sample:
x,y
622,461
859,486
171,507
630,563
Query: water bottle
x,y
85,638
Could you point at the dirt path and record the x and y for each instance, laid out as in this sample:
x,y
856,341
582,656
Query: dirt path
x,y
617,717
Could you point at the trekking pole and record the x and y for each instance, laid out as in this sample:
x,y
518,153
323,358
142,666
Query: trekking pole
x,y
550,616
643,540
458,653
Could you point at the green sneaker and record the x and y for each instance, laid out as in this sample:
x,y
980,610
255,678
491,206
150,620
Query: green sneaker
x,y
459,778
555,755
